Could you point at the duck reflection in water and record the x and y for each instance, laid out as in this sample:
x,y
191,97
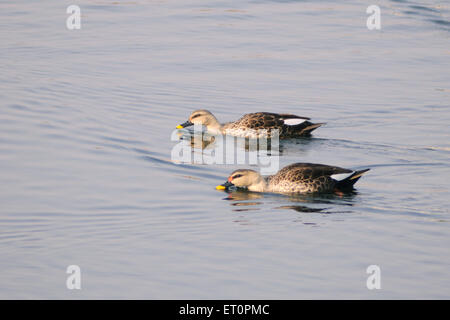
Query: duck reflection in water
x,y
243,199
206,141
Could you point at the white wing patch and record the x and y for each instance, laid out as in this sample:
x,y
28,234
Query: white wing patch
x,y
293,121
341,176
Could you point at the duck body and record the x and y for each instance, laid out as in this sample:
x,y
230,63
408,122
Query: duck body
x,y
311,178
264,124
301,178
255,125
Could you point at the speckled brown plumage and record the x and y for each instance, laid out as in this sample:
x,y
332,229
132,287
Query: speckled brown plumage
x,y
269,121
304,178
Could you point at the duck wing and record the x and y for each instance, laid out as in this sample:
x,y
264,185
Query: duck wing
x,y
289,125
308,171
267,120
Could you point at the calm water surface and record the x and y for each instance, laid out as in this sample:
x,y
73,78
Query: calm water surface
x,y
87,178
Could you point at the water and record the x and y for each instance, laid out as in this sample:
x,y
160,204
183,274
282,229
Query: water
x,y
86,175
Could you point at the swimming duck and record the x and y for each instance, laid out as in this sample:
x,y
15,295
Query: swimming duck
x,y
254,125
296,178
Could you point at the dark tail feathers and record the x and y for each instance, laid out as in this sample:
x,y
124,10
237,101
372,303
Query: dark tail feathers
x,y
310,128
347,183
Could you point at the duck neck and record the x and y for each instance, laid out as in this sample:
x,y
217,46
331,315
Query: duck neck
x,y
214,125
259,186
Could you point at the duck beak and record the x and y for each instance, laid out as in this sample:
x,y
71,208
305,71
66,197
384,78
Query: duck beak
x,y
224,186
184,125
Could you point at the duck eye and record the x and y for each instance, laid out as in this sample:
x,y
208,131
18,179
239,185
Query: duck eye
x,y
195,116
237,176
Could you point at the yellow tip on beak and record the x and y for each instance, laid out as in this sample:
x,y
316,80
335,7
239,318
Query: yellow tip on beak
x,y
220,187
180,126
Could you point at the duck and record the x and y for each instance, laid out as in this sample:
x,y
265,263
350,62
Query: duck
x,y
297,178
254,125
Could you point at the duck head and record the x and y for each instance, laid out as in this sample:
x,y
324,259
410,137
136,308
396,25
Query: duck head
x,y
201,117
244,179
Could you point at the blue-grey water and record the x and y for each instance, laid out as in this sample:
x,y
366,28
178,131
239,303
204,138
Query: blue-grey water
x,y
87,179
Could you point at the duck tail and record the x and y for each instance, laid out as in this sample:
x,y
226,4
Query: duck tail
x,y
347,183
307,130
